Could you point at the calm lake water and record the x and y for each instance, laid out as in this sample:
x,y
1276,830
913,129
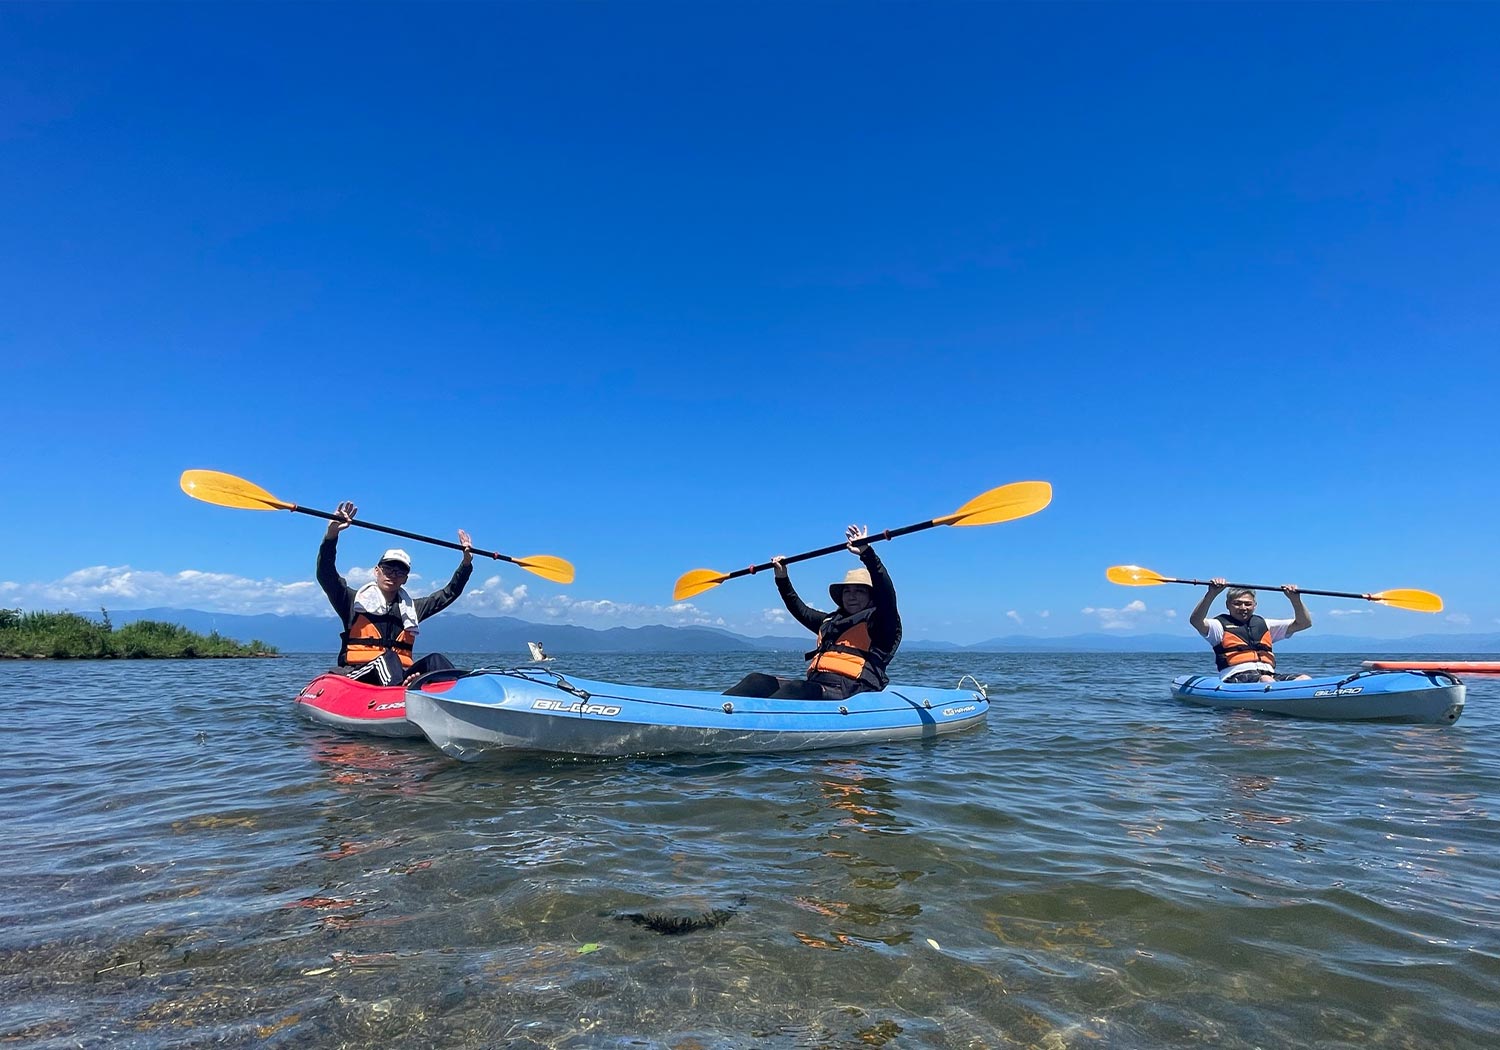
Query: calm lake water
x,y
188,864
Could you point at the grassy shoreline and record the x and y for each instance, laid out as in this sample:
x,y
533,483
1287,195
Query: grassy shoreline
x,y
68,636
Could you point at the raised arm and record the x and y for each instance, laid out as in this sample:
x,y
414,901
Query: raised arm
x,y
340,594
803,613
1302,619
1198,617
437,601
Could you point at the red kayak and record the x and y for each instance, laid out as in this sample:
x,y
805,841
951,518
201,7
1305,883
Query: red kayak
x,y
1453,667
379,710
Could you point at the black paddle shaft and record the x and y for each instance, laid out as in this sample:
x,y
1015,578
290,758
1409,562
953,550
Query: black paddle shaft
x,y
1267,587
888,534
399,532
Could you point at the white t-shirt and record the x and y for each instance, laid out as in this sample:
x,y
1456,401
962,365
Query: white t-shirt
x,y
1215,635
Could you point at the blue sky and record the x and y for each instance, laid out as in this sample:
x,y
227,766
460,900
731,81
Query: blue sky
x,y
662,287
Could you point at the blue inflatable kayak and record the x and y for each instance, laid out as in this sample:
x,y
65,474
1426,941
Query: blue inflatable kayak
x,y
534,709
1428,697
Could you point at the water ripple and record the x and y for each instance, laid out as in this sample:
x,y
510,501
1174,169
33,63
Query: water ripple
x,y
189,864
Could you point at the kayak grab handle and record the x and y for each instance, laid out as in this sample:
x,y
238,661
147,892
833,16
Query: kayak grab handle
x,y
978,685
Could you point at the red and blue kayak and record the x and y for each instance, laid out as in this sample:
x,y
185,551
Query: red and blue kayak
x,y
360,707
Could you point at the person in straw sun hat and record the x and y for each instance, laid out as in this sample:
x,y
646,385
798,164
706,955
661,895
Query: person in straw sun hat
x,y
855,642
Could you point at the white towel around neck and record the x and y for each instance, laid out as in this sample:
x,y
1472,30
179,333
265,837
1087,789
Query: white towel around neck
x,y
368,599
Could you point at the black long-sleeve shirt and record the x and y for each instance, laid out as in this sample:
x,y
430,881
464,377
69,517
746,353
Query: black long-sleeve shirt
x,y
341,595
885,622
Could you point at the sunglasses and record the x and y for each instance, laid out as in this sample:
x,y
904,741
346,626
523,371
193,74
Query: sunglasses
x,y
393,569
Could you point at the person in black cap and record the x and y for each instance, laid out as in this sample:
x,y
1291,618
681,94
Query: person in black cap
x,y
855,642
380,619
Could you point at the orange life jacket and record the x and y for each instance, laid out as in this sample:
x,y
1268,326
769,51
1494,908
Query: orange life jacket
x,y
1244,643
368,637
844,648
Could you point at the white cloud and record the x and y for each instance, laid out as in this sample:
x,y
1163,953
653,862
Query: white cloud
x,y
1462,619
602,612
1015,616
1118,619
121,587
491,597
1346,612
1045,613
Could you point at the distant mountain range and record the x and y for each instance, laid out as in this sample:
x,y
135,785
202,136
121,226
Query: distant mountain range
x,y
466,633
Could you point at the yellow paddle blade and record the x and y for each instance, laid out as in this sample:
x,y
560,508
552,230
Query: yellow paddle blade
x,y
1133,576
1006,503
547,567
1406,598
696,581
212,486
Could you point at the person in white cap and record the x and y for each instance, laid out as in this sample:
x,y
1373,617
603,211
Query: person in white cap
x,y
855,642
380,619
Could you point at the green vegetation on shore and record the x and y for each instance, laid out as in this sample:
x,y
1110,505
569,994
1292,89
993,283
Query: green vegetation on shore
x,y
68,636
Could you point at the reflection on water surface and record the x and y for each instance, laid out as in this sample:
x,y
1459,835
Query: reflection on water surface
x,y
189,864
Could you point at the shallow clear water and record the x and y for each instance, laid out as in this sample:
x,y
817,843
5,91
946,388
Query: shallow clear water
x,y
186,863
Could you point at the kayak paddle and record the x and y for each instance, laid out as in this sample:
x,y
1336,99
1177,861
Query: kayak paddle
x,y
1401,598
1005,503
212,486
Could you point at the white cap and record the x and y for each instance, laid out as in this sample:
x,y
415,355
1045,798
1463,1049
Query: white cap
x,y
397,554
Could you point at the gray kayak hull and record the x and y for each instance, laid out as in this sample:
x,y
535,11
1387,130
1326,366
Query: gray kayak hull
x,y
531,710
